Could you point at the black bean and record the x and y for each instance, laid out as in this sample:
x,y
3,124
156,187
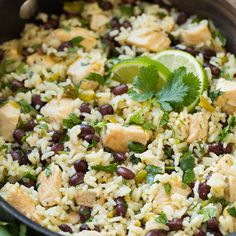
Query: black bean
x,y
76,179
65,228
204,190
16,155
24,158
125,173
208,53
31,124
176,224
182,18
216,148
91,138
36,101
57,147
120,210
200,233
132,2
63,46
16,84
119,200
85,130
85,108
126,24
120,156
191,50
18,134
119,90
156,232
84,213
228,149
56,136
107,5
25,52
216,233
81,166
115,23
213,224
27,182
2,54
84,227
51,23
106,110
215,70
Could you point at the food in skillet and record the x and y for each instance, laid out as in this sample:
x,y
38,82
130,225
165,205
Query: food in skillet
x,y
118,118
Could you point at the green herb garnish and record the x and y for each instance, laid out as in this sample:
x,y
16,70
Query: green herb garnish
x,y
72,120
96,77
110,168
136,147
167,188
162,219
152,172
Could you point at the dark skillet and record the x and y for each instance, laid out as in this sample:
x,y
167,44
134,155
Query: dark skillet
x,y
220,11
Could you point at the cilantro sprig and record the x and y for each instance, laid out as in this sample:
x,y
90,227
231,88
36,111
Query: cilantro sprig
x,y
180,90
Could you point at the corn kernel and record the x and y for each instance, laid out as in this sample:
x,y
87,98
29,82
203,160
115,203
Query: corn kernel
x,y
205,104
111,214
87,95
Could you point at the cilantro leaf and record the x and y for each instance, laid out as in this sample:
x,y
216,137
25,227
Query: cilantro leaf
x,y
26,107
137,118
208,212
181,89
110,168
226,130
136,147
75,42
134,159
217,34
145,84
72,120
164,120
152,172
162,219
167,187
187,163
96,77
231,210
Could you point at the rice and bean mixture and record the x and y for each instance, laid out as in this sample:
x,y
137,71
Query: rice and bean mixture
x,y
83,154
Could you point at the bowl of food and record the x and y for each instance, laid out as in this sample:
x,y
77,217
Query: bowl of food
x,y
118,117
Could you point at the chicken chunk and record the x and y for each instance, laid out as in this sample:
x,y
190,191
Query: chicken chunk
x,y
227,167
118,136
227,101
40,60
85,198
89,38
17,196
196,34
198,127
162,198
9,117
57,110
99,21
82,67
50,182
147,38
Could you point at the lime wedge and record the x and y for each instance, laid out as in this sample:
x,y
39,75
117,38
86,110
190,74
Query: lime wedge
x,y
125,71
173,59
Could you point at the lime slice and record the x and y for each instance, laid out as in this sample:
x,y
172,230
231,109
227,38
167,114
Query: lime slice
x,y
173,59
125,71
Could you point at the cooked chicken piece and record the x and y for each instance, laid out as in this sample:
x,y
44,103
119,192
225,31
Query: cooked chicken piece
x,y
57,110
162,198
198,127
99,21
196,34
9,117
147,38
227,101
227,222
50,183
227,167
72,217
89,233
218,184
167,24
40,60
81,69
85,198
17,196
118,136
62,35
